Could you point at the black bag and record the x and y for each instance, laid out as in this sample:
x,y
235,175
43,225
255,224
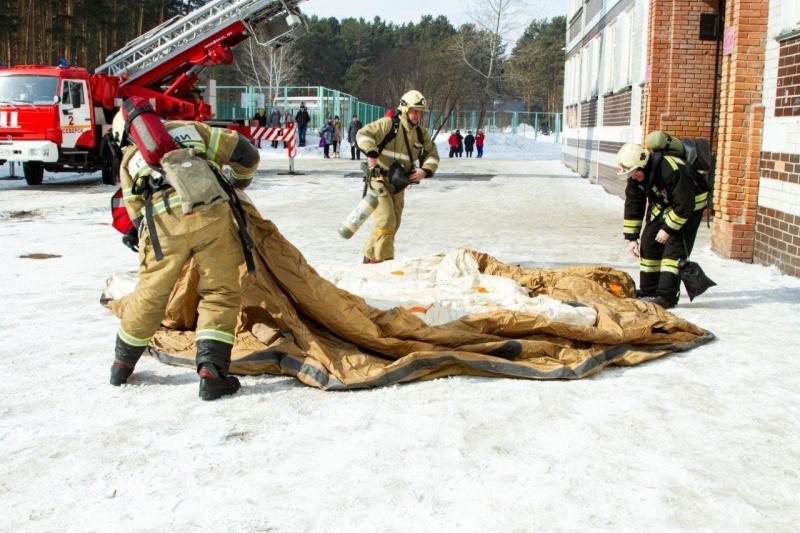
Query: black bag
x,y
398,180
694,279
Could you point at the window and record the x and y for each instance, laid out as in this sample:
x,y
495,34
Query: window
x,y
72,93
790,19
609,58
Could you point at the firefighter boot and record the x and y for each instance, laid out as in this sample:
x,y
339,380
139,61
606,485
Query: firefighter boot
x,y
213,361
214,383
125,359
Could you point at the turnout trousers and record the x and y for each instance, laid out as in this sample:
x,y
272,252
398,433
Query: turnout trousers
x,y
217,250
658,263
386,221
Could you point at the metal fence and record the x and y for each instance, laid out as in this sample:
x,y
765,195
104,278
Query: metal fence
x,y
242,102
513,122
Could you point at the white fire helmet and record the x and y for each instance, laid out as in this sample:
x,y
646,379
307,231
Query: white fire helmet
x,y
412,100
629,158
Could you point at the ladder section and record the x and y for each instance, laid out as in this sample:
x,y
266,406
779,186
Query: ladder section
x,y
180,34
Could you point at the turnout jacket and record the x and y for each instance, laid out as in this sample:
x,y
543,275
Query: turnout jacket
x,y
218,146
668,190
370,136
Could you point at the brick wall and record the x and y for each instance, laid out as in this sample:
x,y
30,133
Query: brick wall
x,y
592,9
589,113
576,25
740,131
777,231
617,108
571,116
680,96
787,101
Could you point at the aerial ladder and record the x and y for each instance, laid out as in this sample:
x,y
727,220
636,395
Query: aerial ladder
x,y
164,64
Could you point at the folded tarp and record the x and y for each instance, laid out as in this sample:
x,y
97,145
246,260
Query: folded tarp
x,y
295,322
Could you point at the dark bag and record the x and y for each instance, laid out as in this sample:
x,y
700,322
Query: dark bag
x,y
694,279
398,180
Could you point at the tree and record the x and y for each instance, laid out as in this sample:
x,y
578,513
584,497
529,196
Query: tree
x,y
483,43
266,66
537,65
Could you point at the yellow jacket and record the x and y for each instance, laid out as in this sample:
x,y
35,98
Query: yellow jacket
x,y
370,136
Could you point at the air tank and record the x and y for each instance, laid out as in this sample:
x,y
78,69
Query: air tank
x,y
357,216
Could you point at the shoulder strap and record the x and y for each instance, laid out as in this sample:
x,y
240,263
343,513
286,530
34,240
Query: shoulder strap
x,y
392,133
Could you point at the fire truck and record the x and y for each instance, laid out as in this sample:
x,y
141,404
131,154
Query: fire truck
x,y
58,118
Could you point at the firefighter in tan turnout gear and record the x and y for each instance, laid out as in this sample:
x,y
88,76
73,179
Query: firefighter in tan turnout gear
x,y
208,234
393,144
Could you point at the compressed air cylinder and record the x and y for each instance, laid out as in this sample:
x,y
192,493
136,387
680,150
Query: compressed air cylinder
x,y
147,131
658,141
357,216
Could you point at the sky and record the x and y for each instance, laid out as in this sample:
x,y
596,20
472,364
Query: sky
x,y
412,10
702,440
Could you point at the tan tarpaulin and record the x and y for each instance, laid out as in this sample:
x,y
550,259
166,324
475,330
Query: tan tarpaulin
x,y
294,322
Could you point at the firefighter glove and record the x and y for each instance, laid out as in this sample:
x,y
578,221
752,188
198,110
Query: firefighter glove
x,y
131,239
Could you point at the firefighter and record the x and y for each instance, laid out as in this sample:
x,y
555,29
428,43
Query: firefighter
x,y
208,235
660,189
408,143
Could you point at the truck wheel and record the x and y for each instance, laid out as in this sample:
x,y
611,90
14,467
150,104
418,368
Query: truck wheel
x,y
111,157
34,173
109,173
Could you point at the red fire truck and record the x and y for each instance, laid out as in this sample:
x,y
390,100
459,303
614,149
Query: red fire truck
x,y
58,118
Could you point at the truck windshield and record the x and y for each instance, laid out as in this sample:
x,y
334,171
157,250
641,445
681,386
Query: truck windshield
x,y
28,89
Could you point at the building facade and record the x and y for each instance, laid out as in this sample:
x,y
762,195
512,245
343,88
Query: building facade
x,y
726,70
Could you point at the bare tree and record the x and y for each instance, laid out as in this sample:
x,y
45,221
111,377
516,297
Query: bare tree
x,y
482,44
266,66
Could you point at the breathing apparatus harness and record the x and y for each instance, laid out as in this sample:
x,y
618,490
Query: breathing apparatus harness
x,y
154,143
398,178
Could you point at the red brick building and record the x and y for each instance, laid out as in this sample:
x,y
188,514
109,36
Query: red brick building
x,y
726,70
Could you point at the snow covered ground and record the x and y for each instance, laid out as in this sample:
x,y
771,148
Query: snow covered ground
x,y
705,440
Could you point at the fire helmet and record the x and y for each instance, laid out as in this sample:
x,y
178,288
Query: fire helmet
x,y
630,157
412,100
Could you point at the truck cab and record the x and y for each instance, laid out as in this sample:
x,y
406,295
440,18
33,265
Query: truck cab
x,y
47,120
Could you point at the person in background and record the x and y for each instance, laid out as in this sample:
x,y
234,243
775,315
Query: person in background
x,y
479,142
259,121
452,142
411,146
355,125
337,136
275,122
209,236
302,119
326,133
660,190
469,143
459,144
287,119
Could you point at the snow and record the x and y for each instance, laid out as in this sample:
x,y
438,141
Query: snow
x,y
701,440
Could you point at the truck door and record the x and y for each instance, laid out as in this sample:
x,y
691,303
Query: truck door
x,y
75,111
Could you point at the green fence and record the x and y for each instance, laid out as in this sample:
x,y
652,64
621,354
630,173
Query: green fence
x,y
514,122
242,102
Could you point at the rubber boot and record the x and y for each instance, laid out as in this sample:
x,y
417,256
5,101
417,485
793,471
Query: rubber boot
x,y
368,261
214,383
213,361
125,359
